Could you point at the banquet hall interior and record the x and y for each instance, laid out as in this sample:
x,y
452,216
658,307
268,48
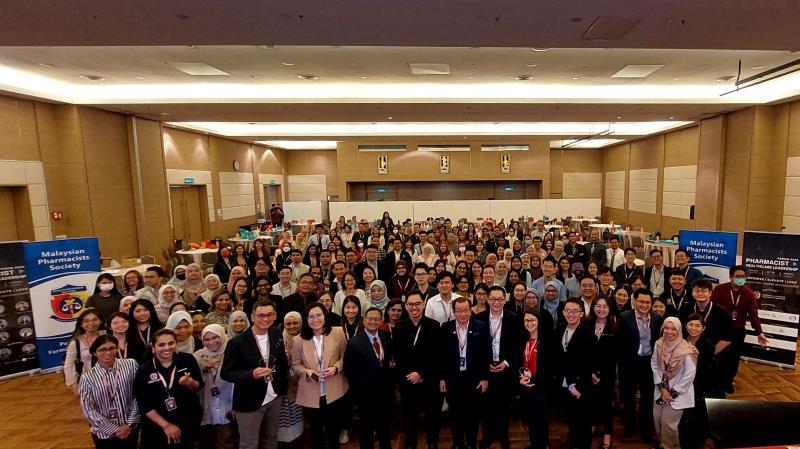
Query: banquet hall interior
x,y
165,128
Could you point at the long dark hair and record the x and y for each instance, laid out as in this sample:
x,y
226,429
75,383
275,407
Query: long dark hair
x,y
153,322
108,277
79,322
611,319
306,333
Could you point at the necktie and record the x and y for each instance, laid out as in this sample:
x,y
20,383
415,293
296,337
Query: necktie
x,y
377,347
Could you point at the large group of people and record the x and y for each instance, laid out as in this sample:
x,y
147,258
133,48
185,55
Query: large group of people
x,y
469,322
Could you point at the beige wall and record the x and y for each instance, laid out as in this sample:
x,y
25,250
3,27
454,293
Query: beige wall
x,y
574,161
413,165
307,162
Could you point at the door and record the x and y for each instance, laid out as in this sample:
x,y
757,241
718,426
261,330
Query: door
x,y
187,213
274,196
8,217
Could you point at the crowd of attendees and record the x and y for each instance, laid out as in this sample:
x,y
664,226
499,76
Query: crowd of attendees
x,y
468,322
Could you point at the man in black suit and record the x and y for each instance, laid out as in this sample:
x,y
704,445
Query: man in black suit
x,y
367,359
574,373
305,294
656,277
256,362
595,249
626,272
505,332
464,373
396,254
414,344
639,330
578,252
371,260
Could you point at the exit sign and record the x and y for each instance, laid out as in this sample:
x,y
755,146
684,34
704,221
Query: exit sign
x,y
508,189
188,180
382,189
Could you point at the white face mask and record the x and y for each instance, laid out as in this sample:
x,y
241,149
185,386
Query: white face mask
x,y
106,287
286,249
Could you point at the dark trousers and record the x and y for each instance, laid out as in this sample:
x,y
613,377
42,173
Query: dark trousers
x,y
639,377
497,408
464,400
325,423
602,408
730,357
414,399
374,419
534,406
116,443
578,421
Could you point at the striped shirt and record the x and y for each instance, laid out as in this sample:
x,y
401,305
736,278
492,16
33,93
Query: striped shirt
x,y
103,390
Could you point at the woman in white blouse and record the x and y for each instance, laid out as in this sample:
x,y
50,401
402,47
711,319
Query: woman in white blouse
x,y
349,280
79,358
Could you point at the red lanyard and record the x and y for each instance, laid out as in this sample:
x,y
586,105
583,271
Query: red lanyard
x,y
164,381
530,348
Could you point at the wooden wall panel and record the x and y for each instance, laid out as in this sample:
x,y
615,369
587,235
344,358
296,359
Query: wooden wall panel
x,y
108,174
413,165
710,173
768,168
18,139
736,172
186,150
223,153
308,162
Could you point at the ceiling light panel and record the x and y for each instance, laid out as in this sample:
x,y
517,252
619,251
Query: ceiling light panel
x,y
300,144
366,129
197,69
592,143
444,148
424,68
637,70
369,148
502,148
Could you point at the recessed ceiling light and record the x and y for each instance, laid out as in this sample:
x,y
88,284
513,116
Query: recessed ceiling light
x,y
725,78
677,78
672,118
619,117
576,77
197,69
637,70
428,68
363,77
269,47
539,49
389,117
139,77
92,77
756,67
307,77
523,77
531,64
46,65
287,64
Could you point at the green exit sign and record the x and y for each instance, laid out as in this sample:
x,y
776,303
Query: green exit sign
x,y
188,180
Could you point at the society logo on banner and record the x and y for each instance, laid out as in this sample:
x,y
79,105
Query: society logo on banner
x,y
61,274
711,252
67,302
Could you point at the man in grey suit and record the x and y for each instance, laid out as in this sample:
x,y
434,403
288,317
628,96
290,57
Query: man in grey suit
x,y
595,249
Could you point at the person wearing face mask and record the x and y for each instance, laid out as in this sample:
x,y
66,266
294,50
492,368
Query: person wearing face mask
x,y
106,298
736,297
284,256
222,267
178,275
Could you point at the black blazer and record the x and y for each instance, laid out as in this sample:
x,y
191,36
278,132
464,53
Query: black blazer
x,y
578,253
242,356
391,262
625,277
423,357
479,352
629,335
604,352
597,256
370,379
573,365
384,274
648,273
509,339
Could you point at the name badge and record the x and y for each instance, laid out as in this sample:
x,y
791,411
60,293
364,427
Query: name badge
x,y
214,391
170,404
734,315
112,413
462,363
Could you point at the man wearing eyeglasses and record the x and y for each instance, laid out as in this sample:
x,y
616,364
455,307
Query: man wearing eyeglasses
x,y
256,362
368,360
423,287
304,295
415,343
505,332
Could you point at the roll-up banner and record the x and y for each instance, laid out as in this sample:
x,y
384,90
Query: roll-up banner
x,y
18,354
61,276
711,252
773,272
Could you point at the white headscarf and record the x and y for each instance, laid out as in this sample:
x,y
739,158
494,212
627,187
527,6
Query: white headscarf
x,y
173,321
206,358
380,303
235,314
162,306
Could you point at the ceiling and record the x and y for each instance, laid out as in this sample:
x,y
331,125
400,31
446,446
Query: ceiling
x,y
358,58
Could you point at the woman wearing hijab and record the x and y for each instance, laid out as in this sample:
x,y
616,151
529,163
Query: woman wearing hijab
x,y
167,296
401,281
428,256
216,396
213,285
125,304
378,295
236,274
193,286
178,276
290,427
674,365
181,323
551,304
237,323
